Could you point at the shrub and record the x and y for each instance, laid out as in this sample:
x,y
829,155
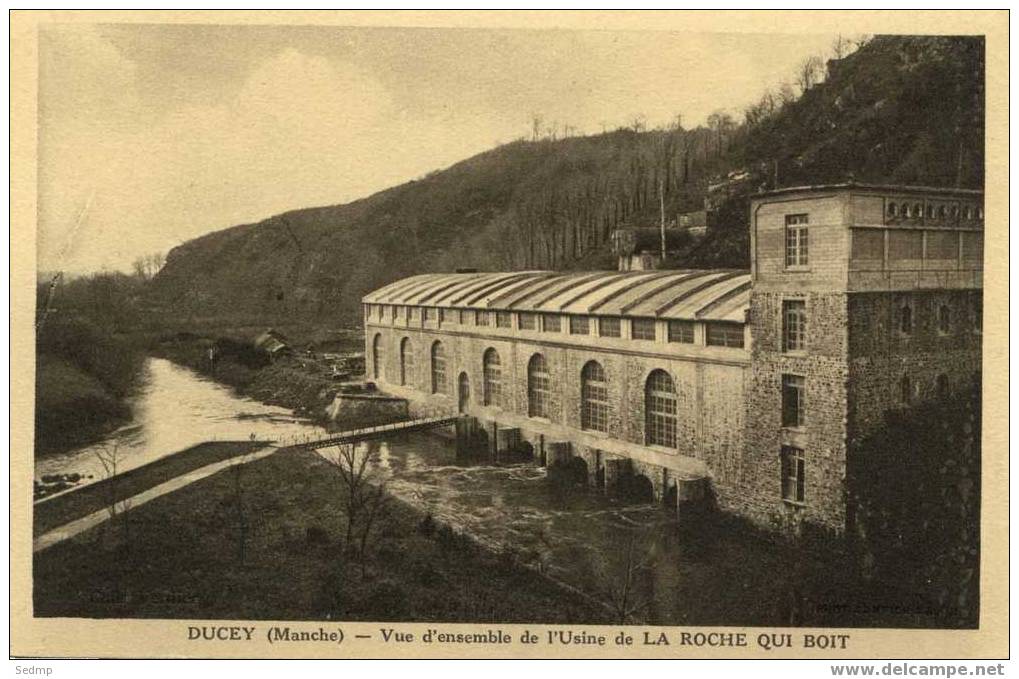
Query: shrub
x,y
316,535
426,574
427,526
385,600
446,537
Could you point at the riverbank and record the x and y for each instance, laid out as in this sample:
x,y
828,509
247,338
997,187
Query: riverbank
x,y
304,381
97,496
184,557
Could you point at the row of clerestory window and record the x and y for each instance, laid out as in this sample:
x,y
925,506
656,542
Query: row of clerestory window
x,y
716,333
917,210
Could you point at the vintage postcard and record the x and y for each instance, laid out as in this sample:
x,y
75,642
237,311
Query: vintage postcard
x,y
509,334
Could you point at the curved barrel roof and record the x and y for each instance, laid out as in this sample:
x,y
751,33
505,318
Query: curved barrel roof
x,y
715,294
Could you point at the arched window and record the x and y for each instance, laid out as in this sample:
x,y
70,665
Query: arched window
x,y
893,210
906,390
438,368
906,319
406,361
491,378
944,319
377,356
906,212
918,211
660,409
941,386
539,387
594,398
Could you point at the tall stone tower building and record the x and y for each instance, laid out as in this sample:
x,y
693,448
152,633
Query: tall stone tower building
x,y
863,299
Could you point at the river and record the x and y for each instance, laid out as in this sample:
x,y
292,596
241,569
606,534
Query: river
x,y
602,545
174,409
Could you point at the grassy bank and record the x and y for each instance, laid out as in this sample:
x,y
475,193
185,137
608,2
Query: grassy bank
x,y
101,494
84,376
72,406
183,559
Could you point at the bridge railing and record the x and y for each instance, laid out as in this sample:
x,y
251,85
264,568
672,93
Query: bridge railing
x,y
353,435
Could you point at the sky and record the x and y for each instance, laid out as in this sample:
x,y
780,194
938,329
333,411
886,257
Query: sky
x,y
150,135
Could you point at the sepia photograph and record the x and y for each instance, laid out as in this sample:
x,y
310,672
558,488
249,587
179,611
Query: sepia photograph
x,y
342,325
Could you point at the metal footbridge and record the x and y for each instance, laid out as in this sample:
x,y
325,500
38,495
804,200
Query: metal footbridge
x,y
367,433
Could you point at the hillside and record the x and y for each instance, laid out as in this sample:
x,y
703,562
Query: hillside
x,y
900,109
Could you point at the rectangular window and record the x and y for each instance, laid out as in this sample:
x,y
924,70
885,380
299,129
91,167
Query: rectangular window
x,y
681,331
503,319
528,322
579,325
794,325
793,401
461,316
793,474
868,250
480,318
393,313
905,249
609,327
642,329
551,323
442,316
428,314
942,246
796,242
725,335
972,250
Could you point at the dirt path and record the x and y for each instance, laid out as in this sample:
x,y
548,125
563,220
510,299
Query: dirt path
x,y
69,530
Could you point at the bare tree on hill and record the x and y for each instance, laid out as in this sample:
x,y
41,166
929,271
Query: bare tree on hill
x,y
147,266
810,73
536,126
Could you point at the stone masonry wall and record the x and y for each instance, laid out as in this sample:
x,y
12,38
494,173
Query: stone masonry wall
x,y
825,373
881,354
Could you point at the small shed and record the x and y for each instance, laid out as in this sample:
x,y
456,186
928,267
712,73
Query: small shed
x,y
273,343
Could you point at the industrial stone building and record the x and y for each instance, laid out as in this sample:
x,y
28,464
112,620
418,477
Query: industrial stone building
x,y
747,387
